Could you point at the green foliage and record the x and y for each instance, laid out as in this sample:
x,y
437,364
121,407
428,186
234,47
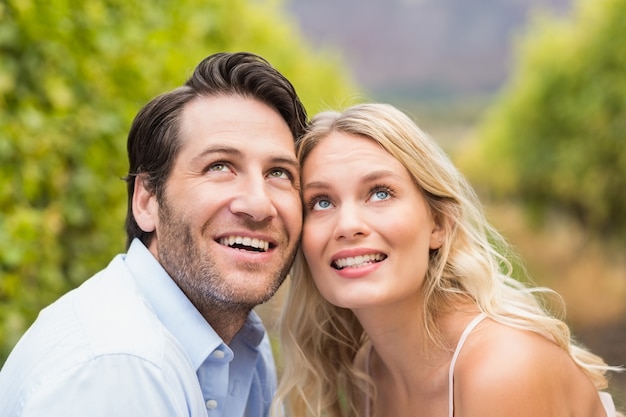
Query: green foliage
x,y
557,136
72,76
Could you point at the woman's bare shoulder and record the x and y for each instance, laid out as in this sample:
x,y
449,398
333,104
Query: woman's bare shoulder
x,y
508,371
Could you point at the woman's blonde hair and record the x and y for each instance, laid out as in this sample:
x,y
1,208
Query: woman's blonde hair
x,y
320,341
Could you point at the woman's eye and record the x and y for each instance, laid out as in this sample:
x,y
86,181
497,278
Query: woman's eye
x,y
321,204
379,195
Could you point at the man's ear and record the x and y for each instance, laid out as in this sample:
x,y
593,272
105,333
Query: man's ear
x,y
437,235
145,206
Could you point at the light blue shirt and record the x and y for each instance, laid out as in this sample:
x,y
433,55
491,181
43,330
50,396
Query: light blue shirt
x,y
129,343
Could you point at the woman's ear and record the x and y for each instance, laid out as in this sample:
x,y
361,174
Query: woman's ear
x,y
437,235
145,206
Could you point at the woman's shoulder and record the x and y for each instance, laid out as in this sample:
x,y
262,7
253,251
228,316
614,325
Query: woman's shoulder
x,y
503,368
494,350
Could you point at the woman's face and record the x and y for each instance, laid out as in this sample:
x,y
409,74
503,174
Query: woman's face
x,y
367,228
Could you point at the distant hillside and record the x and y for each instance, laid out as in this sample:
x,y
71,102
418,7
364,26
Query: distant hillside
x,y
421,49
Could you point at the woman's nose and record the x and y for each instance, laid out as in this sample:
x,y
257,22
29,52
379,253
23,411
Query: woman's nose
x,y
351,223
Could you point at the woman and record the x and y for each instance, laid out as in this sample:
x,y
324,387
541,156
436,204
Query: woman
x,y
401,301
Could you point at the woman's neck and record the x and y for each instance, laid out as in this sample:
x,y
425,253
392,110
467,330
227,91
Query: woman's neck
x,y
404,356
399,339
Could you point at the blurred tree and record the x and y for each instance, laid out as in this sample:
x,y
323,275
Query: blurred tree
x,y
556,138
72,76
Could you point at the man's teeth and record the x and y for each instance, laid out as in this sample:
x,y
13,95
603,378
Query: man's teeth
x,y
358,261
245,241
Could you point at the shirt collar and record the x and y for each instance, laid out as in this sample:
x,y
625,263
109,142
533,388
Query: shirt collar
x,y
170,304
252,331
177,313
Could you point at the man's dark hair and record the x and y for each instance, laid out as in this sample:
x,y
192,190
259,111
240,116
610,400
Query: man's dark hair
x,y
154,137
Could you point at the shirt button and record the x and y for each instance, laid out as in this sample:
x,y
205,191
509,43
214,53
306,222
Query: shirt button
x,y
211,404
218,354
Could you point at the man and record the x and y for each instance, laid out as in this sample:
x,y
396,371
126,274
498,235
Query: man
x,y
213,223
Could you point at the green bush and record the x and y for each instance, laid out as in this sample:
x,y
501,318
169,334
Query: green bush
x,y
72,77
556,138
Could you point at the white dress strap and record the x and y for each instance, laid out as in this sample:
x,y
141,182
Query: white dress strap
x,y
472,324
605,397
607,403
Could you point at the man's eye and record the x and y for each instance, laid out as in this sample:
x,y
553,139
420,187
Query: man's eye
x,y
280,173
217,167
220,166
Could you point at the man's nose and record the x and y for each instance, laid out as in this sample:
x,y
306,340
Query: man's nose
x,y
253,199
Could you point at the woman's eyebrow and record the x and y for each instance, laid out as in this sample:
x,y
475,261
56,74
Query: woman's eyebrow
x,y
380,174
370,177
315,185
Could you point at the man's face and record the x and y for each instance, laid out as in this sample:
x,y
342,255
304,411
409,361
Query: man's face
x,y
230,219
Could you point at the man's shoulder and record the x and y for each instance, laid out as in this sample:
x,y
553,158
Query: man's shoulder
x,y
103,322
106,315
114,316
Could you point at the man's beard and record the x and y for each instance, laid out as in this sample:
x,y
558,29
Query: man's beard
x,y
198,275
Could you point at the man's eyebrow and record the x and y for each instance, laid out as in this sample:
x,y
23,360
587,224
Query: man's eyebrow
x,y
284,160
227,150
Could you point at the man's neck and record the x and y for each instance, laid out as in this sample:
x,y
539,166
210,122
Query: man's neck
x,y
226,322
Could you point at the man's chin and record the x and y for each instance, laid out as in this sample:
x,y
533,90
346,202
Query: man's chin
x,y
252,301
244,301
